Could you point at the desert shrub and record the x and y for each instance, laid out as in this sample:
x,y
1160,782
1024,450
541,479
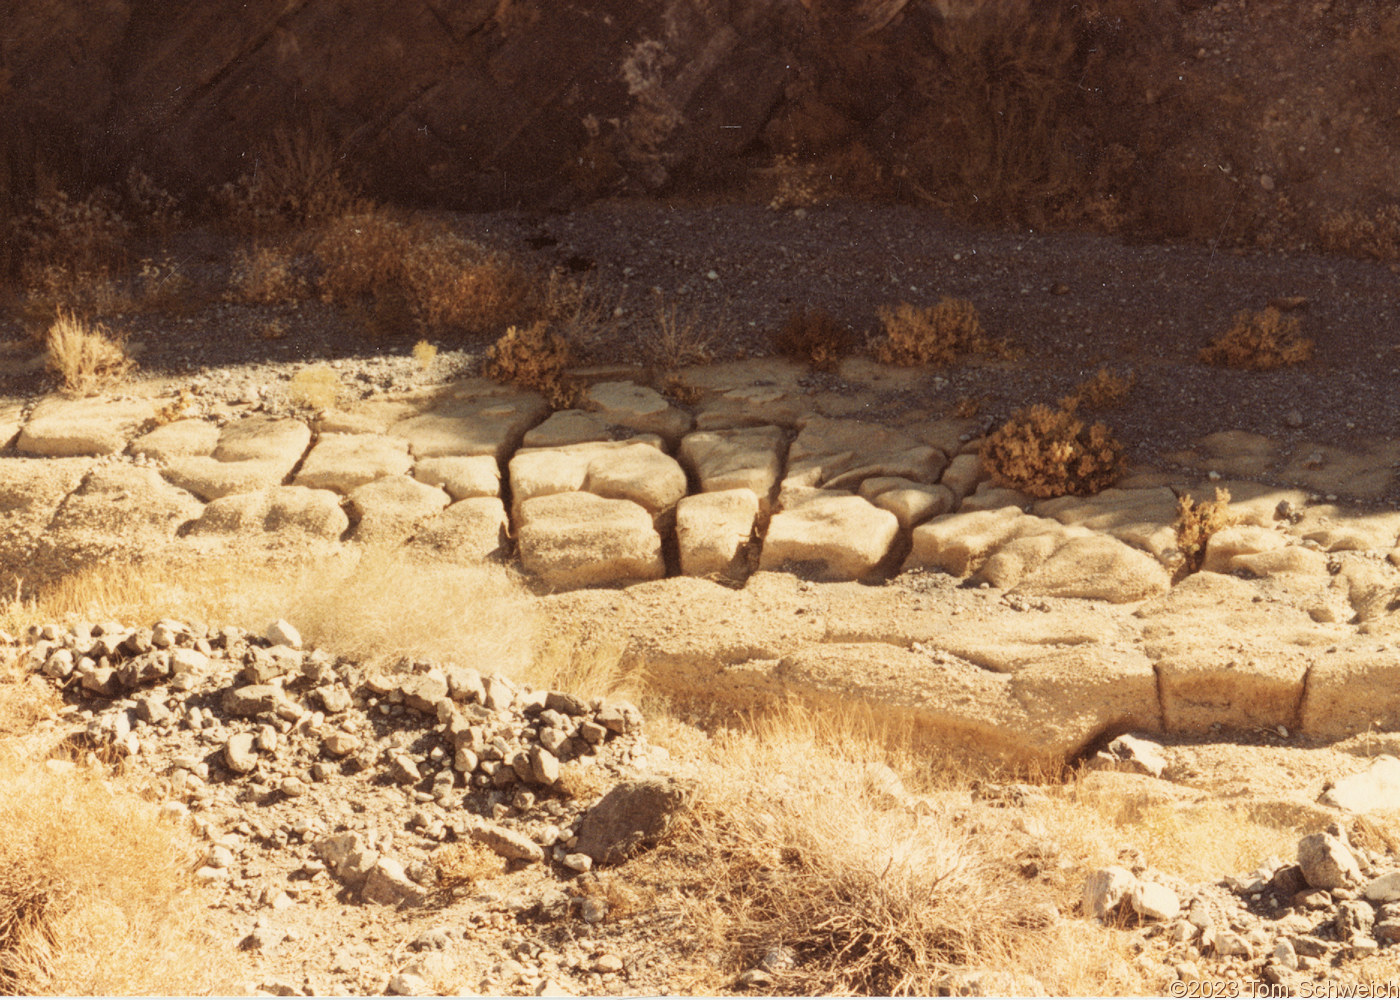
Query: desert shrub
x,y
1101,391
299,181
464,863
1196,522
316,388
1046,452
150,206
931,335
1360,235
362,256
534,357
796,184
69,248
85,357
266,275
1258,341
458,285
679,339
814,336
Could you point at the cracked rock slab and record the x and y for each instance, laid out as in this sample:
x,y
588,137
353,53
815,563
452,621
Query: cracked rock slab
x,y
178,439
390,509
841,454
491,425
739,458
293,509
638,471
251,455
343,462
468,531
838,537
464,477
713,532
580,540
626,404
60,428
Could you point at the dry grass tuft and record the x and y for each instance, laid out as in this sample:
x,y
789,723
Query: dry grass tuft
x,y
1101,391
814,336
378,606
86,358
933,335
791,844
315,388
425,353
266,275
362,256
463,863
1045,452
535,357
1258,341
1196,522
679,341
95,895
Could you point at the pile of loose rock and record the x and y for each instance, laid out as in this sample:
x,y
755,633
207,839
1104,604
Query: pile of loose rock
x,y
1283,923
333,771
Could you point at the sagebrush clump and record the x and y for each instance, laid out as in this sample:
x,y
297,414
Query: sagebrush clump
x,y
930,335
1045,452
1196,522
534,357
1101,391
1258,341
814,336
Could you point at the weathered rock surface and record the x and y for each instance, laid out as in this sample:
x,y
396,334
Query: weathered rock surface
x,y
713,531
838,537
741,458
293,509
341,462
390,509
474,425
178,439
578,539
468,531
633,815
463,477
626,404
61,427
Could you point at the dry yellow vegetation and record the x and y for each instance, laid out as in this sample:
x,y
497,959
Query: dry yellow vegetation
x,y
534,357
86,357
1258,341
930,335
815,337
1196,522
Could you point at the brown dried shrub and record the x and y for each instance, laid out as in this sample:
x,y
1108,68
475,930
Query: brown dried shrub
x,y
454,284
815,337
534,357
1258,341
1046,452
362,256
299,181
1360,235
1101,391
266,275
1196,522
464,863
930,335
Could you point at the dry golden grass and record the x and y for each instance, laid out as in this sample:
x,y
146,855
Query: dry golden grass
x,y
815,337
933,335
679,340
464,863
1258,341
1196,522
85,357
1045,452
534,357
315,388
266,275
425,353
1101,391
95,892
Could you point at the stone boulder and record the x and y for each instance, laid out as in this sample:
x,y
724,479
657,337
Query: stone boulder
x,y
60,427
626,404
713,532
464,477
178,439
838,537
342,462
579,540
633,815
468,531
740,458
391,509
293,509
